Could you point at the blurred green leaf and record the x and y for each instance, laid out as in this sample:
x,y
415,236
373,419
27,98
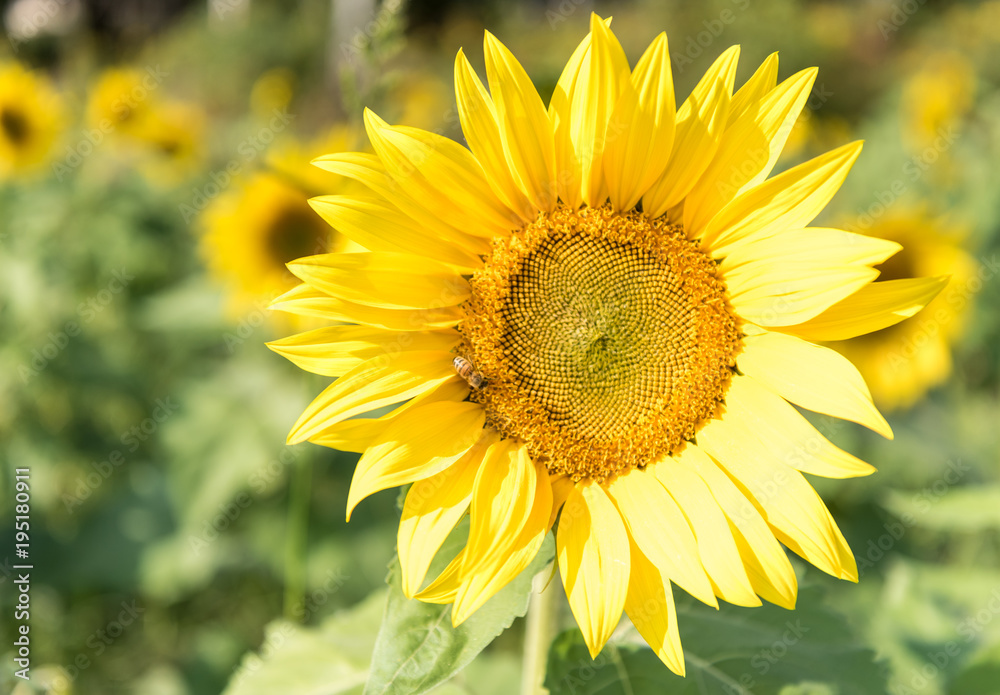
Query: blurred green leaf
x,y
973,508
417,647
733,651
982,677
329,660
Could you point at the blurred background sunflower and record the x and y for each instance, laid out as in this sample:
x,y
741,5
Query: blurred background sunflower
x,y
152,184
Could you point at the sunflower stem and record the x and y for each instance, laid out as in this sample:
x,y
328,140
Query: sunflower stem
x,y
295,539
541,628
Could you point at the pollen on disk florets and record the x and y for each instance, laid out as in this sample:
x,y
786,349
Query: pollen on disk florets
x,y
604,339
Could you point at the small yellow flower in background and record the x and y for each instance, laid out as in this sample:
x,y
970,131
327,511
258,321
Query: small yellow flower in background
x,y
936,98
902,362
172,135
601,312
31,119
272,90
121,100
252,230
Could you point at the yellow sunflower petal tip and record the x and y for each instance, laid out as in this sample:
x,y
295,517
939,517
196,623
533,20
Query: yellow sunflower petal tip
x,y
611,388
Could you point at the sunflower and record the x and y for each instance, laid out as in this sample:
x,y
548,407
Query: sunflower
x,y
601,312
30,119
901,363
122,99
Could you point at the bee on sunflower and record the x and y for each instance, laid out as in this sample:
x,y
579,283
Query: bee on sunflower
x,y
639,303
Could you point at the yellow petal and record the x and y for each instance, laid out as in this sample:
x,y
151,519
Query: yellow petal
x,y
509,554
746,150
593,550
650,606
775,293
368,170
603,73
787,435
358,434
445,587
872,308
656,524
372,384
561,116
422,441
335,350
525,128
767,566
306,300
832,246
716,547
793,509
641,130
443,175
790,200
701,121
479,124
379,226
432,508
814,377
384,280
760,83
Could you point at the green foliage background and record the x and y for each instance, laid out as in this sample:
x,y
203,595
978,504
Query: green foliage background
x,y
162,492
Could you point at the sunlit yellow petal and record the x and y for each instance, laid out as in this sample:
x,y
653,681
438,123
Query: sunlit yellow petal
x,y
419,443
436,169
774,293
373,384
378,226
359,433
658,527
382,279
716,547
641,130
814,377
432,508
335,350
833,246
872,308
760,83
492,561
701,121
525,128
604,72
767,566
793,509
650,606
479,124
593,550
790,200
788,436
746,150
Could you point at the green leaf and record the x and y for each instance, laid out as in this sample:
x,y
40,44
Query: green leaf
x,y
981,677
329,660
942,508
733,651
417,648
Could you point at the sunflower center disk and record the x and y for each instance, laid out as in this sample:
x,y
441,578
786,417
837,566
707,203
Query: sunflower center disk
x,y
604,339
